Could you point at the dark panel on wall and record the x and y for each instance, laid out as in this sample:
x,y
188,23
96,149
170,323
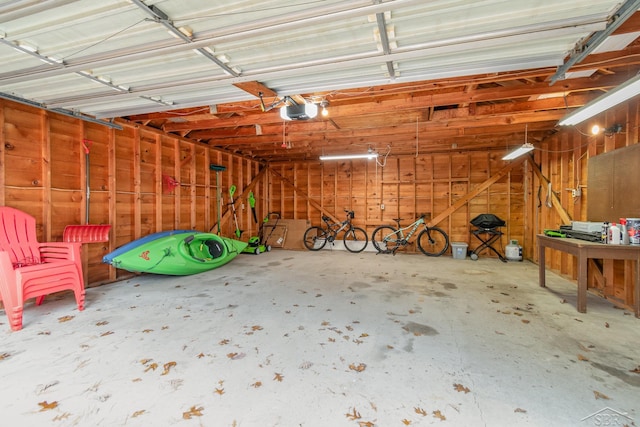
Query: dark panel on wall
x,y
612,185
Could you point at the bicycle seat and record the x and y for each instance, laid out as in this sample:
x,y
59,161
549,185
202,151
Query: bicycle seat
x,y
325,218
398,220
350,214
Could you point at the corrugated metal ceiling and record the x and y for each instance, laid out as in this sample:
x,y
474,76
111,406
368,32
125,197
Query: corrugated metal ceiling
x,y
113,58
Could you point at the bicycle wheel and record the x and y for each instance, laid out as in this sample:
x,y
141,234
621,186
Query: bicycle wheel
x,y
355,240
315,238
385,239
433,241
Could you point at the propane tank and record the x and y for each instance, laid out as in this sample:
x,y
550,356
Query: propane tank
x,y
513,251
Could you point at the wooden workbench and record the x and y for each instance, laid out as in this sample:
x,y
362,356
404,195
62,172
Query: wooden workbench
x,y
583,251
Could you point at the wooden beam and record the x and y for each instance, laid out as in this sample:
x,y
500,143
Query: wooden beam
x,y
479,189
254,88
304,195
245,193
564,216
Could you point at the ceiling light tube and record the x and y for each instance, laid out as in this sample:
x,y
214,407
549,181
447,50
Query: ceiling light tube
x,y
622,93
525,148
368,156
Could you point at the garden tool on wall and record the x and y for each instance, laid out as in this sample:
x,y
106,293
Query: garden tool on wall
x,y
218,169
232,191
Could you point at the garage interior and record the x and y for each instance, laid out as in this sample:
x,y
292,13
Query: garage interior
x,y
141,115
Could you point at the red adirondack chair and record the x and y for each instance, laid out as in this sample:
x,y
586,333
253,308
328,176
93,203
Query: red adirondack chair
x,y
29,269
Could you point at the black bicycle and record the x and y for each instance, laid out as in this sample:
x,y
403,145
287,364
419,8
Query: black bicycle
x,y
355,238
432,241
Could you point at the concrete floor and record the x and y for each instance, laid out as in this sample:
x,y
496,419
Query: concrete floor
x,y
295,338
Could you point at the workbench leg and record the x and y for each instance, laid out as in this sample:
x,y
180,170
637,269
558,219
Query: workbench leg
x,y
541,266
582,283
636,290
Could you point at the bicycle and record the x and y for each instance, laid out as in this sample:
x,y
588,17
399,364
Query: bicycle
x,y
432,241
355,238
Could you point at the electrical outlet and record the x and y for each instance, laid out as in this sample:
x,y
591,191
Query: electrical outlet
x,y
381,206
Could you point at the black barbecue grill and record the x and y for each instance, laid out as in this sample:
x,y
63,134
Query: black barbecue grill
x,y
488,232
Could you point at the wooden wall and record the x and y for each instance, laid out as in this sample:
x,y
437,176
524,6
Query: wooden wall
x,y
44,173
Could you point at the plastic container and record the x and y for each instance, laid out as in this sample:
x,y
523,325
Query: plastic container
x,y
513,251
459,250
624,232
614,234
633,228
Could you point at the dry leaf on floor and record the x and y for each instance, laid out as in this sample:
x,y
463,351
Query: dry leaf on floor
x,y
104,322
582,358
152,367
104,334
219,391
45,406
257,384
224,342
236,356
358,368
65,318
192,412
495,301
365,424
525,321
256,328
363,335
606,324
145,361
200,356
440,415
167,367
278,377
524,411
138,413
64,416
355,415
636,370
325,323
4,356
599,395
420,411
460,387
146,331
349,328
406,422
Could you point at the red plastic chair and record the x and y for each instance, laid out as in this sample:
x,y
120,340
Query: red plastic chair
x,y
29,269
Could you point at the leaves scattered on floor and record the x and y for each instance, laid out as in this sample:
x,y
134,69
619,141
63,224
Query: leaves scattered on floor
x,y
65,319
278,377
167,367
353,415
523,411
461,388
420,411
46,406
599,395
439,415
582,358
636,370
360,367
192,412
257,384
4,356
138,413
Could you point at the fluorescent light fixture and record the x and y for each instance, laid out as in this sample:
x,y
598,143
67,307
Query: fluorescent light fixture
x,y
526,147
368,156
625,91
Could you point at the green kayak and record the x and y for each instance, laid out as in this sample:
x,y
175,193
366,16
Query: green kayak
x,y
176,253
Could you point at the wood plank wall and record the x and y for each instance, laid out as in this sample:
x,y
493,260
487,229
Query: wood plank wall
x,y
44,173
